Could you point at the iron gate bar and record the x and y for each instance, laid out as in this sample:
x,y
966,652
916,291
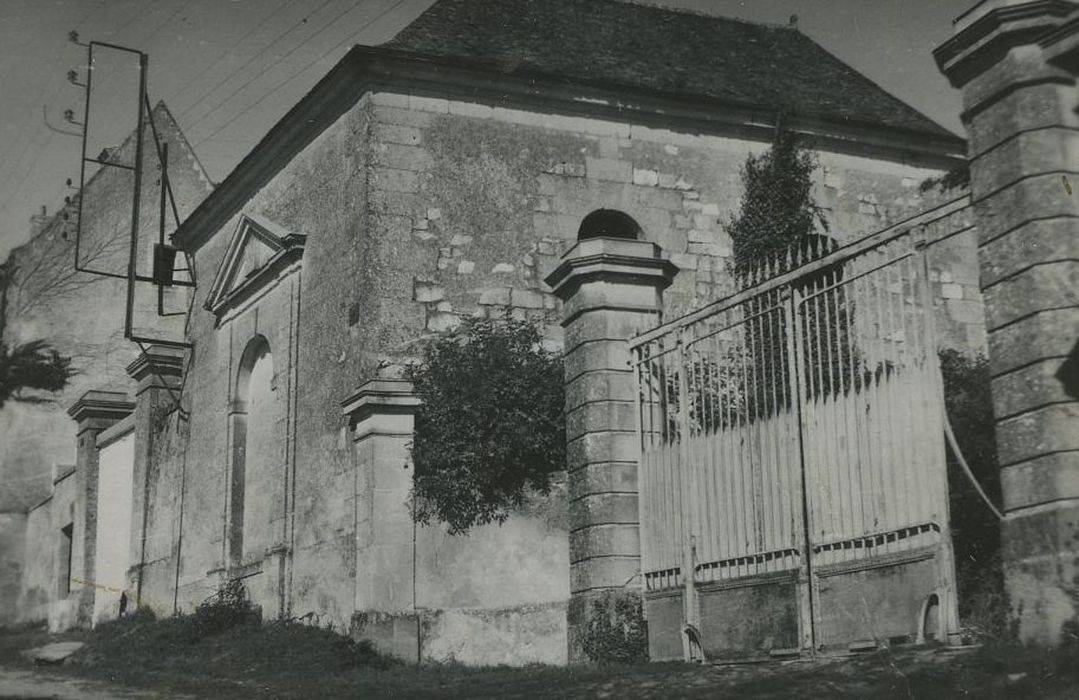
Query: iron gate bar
x,y
847,251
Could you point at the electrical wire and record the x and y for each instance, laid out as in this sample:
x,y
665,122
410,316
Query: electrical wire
x,y
250,60
295,74
179,91
28,143
954,444
112,73
279,59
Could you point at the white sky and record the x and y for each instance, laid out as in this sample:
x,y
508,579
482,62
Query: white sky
x,y
228,69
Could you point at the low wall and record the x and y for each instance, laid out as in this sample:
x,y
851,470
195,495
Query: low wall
x,y
12,552
496,595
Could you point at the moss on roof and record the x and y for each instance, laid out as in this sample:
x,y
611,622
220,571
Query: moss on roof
x,y
655,48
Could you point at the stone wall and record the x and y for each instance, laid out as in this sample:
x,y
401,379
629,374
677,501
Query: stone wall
x,y
12,556
114,516
1017,63
487,199
41,596
419,212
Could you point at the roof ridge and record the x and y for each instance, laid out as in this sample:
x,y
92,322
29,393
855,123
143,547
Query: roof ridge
x,y
862,76
660,6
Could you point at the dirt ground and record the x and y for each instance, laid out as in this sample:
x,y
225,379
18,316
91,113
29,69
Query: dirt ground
x,y
152,661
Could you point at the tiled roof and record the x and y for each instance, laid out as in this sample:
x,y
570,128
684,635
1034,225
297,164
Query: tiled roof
x,y
654,48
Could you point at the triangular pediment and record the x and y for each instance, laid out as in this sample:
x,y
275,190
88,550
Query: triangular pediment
x,y
257,248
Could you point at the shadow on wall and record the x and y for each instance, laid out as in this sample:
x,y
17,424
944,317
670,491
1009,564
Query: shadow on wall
x,y
1068,374
608,223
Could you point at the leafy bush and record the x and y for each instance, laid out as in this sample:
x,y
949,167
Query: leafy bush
x,y
491,427
617,631
33,365
983,605
228,607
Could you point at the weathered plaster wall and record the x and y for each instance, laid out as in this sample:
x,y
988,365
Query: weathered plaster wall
x,y
39,584
12,553
40,596
498,594
114,523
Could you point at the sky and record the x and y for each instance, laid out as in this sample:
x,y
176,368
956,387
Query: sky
x,y
229,69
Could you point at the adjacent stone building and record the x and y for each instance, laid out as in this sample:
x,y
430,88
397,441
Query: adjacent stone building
x,y
438,177
81,314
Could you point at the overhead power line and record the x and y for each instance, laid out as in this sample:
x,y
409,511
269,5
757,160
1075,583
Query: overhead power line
x,y
333,20
233,45
128,23
250,60
27,143
303,69
112,73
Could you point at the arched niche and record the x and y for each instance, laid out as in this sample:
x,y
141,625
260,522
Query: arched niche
x,y
253,439
608,223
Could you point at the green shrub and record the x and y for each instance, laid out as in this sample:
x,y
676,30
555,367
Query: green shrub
x,y
228,607
617,631
491,427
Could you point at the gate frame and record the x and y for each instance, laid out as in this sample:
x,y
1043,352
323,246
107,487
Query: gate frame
x,y
786,284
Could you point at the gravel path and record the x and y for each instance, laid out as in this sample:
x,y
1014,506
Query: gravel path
x,y
41,684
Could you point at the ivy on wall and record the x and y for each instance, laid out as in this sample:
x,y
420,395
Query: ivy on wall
x,y
491,427
777,210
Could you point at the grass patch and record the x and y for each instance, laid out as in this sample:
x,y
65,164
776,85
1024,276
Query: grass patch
x,y
198,655
277,660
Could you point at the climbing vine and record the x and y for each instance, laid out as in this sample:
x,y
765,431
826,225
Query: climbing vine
x,y
777,210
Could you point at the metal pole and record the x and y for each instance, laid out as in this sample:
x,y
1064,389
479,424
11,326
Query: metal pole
x,y
688,544
796,390
85,135
164,158
132,262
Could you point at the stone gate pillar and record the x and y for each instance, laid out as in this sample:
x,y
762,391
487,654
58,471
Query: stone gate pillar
x,y
1015,62
381,416
94,412
158,372
611,289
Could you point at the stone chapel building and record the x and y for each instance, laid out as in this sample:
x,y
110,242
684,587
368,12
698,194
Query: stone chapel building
x,y
436,177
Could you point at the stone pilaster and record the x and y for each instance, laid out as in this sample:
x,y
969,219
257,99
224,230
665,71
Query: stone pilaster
x,y
158,372
381,417
611,289
1014,65
93,412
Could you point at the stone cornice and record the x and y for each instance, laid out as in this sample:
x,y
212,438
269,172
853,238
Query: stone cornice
x,y
157,361
381,396
613,260
373,69
111,405
986,33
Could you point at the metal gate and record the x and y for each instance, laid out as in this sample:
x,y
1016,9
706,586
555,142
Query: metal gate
x,y
793,487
